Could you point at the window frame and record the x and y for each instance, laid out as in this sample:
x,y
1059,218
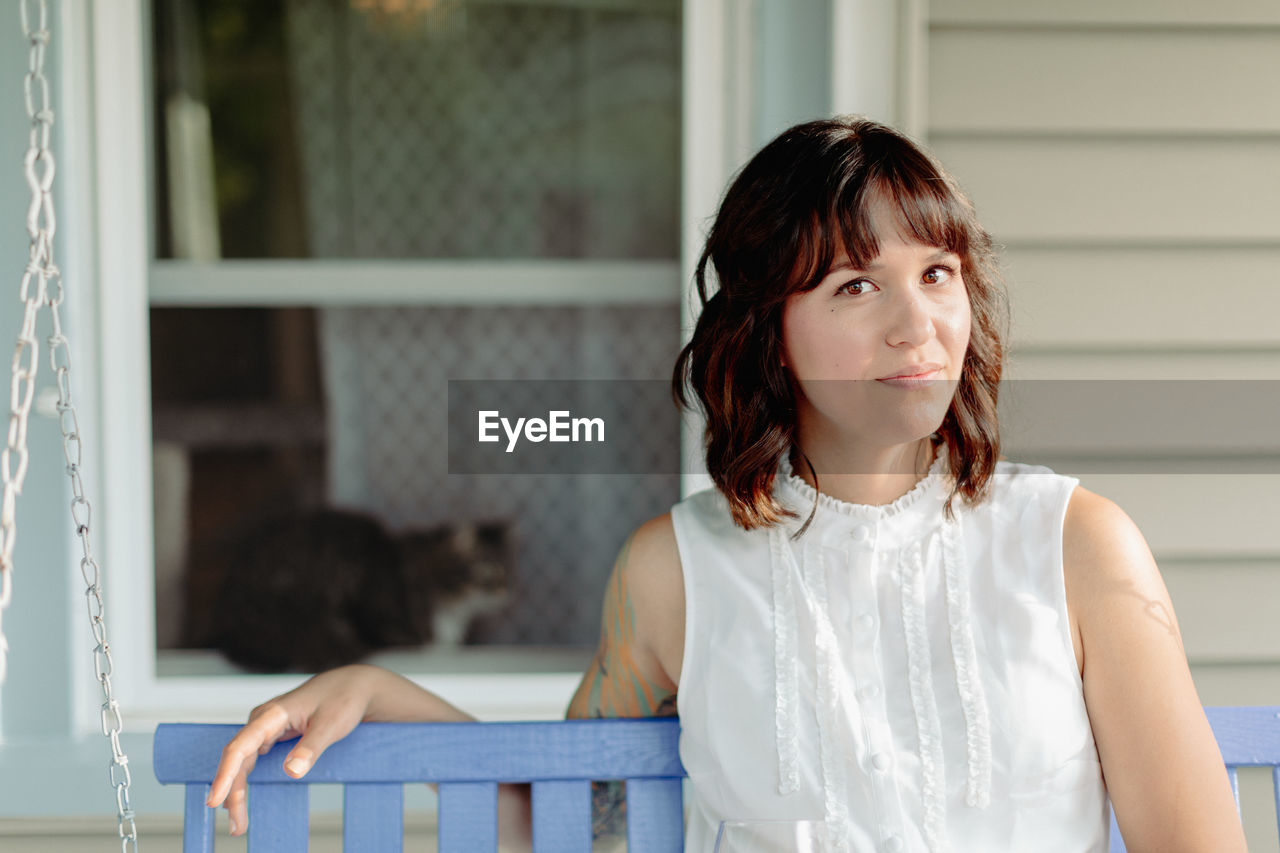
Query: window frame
x,y
716,99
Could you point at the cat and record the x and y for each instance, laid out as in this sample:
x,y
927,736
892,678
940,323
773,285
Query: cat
x,y
313,590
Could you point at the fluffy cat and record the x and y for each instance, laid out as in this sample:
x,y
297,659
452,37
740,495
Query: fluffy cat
x,y
314,590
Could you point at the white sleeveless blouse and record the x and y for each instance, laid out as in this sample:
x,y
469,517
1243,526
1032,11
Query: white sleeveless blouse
x,y
909,679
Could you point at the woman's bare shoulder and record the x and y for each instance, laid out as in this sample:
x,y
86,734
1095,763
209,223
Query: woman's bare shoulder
x,y
653,565
1098,535
656,581
1103,553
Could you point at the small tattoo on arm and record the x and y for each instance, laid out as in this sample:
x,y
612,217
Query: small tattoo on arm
x,y
608,809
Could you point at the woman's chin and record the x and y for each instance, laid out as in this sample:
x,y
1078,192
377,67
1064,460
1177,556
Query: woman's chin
x,y
905,430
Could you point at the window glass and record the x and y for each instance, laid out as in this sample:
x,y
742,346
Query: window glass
x,y
300,462
417,129
304,513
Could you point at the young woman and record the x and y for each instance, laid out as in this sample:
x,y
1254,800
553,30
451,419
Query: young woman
x,y
872,618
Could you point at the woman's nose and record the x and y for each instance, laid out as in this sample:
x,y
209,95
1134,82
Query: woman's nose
x,y
912,322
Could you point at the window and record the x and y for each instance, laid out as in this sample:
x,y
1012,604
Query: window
x,y
280,264
134,279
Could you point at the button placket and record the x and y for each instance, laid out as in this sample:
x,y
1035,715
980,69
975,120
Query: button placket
x,y
860,655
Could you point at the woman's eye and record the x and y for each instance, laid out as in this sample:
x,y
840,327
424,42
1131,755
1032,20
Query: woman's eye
x,y
857,287
938,275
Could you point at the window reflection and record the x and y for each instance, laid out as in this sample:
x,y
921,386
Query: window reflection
x,y
414,129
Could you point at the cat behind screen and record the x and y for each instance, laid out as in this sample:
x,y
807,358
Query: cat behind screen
x,y
322,588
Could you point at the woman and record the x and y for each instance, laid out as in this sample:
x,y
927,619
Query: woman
x,y
872,618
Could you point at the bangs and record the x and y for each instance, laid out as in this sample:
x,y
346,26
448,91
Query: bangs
x,y
924,204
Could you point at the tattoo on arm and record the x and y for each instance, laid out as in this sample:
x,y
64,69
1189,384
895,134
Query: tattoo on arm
x,y
614,687
608,809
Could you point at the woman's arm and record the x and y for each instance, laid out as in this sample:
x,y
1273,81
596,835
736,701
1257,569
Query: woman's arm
x,y
643,605
1162,766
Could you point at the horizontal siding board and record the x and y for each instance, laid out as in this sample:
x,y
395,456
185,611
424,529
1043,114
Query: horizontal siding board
x,y
1226,611
1113,191
1071,82
1118,421
1198,515
1134,297
1236,684
1115,12
1149,363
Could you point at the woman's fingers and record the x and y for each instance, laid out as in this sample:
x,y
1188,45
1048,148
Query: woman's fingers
x,y
242,751
238,800
323,710
326,727
284,734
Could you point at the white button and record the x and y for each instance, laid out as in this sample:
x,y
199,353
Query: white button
x,y
868,692
861,533
880,761
865,622
893,844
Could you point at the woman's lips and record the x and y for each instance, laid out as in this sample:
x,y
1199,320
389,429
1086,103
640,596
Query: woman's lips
x,y
917,380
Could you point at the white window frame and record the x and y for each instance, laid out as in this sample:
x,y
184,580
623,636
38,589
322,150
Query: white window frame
x,y
128,282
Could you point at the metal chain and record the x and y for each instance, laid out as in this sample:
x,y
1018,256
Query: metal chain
x,y
47,279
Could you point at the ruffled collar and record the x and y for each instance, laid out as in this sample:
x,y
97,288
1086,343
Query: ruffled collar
x,y
934,483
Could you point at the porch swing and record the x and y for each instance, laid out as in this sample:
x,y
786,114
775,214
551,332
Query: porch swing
x,y
468,760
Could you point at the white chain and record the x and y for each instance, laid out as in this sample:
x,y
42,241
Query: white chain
x,y
47,280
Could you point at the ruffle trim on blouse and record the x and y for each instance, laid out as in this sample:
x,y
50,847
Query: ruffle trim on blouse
x,y
911,574
873,512
973,698
923,700
834,781
785,665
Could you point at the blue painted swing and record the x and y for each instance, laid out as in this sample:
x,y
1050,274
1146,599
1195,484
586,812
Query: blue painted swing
x,y
560,758
375,761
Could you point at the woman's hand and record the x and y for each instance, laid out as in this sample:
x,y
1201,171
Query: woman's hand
x,y
322,710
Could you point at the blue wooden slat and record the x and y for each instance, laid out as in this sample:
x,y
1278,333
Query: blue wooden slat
x,y
278,818
1235,785
468,817
1275,791
1117,843
562,817
445,752
373,818
655,815
197,820
1247,736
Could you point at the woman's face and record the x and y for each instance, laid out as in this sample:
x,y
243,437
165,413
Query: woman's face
x,y
876,353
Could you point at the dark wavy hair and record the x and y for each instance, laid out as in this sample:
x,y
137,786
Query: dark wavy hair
x,y
788,211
